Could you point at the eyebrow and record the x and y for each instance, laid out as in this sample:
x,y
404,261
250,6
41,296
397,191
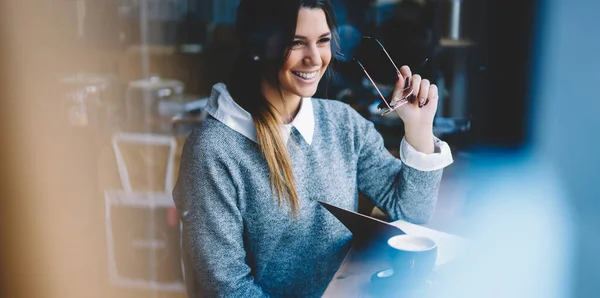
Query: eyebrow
x,y
304,37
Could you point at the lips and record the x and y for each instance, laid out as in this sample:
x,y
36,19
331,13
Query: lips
x,y
306,75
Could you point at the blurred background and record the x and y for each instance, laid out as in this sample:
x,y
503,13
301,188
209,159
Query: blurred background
x,y
98,96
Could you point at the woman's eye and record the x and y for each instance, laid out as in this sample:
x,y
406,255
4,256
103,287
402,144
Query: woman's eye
x,y
297,43
325,40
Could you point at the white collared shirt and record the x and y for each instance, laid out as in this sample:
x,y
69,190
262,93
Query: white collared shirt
x,y
222,106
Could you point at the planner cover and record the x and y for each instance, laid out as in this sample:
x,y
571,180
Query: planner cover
x,y
364,228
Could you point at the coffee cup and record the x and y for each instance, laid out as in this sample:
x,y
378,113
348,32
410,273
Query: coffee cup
x,y
411,256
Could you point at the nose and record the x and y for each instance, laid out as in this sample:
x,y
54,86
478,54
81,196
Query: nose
x,y
312,56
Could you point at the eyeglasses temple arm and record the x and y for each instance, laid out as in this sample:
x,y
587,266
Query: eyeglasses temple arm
x,y
372,82
386,53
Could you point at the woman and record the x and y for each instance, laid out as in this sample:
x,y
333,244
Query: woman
x,y
251,175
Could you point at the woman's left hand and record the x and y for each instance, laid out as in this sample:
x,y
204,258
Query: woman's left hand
x,y
424,99
418,114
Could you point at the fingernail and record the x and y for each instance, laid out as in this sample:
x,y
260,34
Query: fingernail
x,y
426,102
407,82
422,101
412,98
421,104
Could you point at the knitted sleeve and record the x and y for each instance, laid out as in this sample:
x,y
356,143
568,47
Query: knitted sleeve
x,y
399,190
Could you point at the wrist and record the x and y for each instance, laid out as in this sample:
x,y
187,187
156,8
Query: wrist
x,y
421,138
418,130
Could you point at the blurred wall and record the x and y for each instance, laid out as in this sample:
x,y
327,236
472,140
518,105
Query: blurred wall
x,y
567,126
46,231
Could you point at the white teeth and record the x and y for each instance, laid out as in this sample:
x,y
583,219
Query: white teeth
x,y
306,75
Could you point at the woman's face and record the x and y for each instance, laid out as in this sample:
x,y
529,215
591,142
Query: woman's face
x,y
309,56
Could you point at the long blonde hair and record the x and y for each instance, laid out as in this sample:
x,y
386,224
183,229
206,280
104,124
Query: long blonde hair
x,y
274,150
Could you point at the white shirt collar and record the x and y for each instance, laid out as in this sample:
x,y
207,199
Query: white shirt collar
x,y
222,106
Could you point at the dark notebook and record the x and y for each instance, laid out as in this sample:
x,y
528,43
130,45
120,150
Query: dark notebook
x,y
364,229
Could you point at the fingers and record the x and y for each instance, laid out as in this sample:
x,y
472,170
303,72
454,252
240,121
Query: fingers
x,y
432,96
406,73
416,87
416,90
423,92
402,88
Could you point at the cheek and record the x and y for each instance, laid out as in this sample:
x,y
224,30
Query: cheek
x,y
326,57
292,61
284,72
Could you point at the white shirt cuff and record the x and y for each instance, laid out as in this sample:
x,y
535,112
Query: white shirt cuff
x,y
441,158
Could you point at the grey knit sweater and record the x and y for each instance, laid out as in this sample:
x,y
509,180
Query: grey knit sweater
x,y
237,240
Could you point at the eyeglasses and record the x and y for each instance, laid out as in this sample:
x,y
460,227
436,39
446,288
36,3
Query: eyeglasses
x,y
398,100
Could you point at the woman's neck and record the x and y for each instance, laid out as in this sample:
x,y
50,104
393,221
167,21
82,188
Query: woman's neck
x,y
287,105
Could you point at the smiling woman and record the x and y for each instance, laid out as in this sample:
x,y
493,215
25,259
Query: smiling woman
x,y
308,58
291,45
252,175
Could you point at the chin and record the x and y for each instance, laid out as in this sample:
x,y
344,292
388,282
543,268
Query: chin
x,y
305,92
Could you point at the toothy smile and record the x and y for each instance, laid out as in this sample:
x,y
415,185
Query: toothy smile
x,y
305,75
